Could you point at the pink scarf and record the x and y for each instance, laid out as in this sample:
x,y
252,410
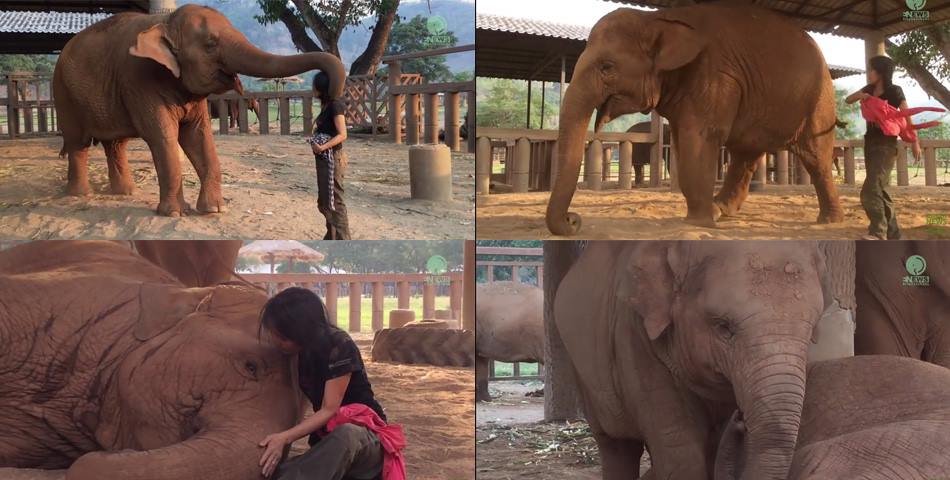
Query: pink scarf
x,y
390,436
894,122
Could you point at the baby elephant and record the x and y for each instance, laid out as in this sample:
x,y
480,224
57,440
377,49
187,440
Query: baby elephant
x,y
874,417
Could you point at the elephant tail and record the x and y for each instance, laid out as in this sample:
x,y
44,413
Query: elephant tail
x,y
840,123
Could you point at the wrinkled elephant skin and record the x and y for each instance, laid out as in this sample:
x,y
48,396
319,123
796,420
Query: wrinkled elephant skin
x,y
195,263
509,327
112,368
876,417
668,338
723,74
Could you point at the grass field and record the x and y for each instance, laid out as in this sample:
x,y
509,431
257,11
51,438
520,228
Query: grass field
x,y
503,369
389,303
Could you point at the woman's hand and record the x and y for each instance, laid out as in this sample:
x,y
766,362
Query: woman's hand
x,y
317,148
915,148
273,449
854,97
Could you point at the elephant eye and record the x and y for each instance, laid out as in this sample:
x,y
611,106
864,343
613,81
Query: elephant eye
x,y
251,367
607,68
723,328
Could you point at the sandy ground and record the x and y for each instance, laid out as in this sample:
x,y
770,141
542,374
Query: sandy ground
x,y
434,405
778,212
269,187
514,443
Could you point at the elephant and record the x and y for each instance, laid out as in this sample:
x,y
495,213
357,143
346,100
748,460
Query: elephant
x,y
874,417
195,263
234,107
509,327
897,319
641,151
667,339
721,73
112,369
134,75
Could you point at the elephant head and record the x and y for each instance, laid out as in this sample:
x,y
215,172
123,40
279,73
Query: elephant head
x,y
621,70
195,396
199,46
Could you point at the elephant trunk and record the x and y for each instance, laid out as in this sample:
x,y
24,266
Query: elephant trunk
x,y
771,395
575,115
246,59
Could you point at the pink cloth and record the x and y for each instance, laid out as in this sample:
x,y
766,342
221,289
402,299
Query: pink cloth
x,y
894,122
390,436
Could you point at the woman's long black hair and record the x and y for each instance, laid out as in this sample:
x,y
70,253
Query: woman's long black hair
x,y
321,83
884,66
300,316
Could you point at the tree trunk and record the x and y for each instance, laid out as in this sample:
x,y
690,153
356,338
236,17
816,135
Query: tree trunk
x,y
368,62
839,256
328,37
932,85
561,395
298,31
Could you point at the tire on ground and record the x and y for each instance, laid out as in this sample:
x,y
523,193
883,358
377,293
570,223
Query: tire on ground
x,y
421,345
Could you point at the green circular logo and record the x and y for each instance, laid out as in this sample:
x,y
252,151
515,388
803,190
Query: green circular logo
x,y
437,25
916,265
915,4
437,265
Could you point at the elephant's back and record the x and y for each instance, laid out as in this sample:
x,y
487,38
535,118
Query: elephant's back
x,y
509,321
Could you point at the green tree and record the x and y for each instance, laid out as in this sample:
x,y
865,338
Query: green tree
x,y
923,54
940,132
43,64
415,35
850,114
502,103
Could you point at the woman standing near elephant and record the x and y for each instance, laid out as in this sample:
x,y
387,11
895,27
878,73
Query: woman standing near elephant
x,y
329,133
331,375
880,152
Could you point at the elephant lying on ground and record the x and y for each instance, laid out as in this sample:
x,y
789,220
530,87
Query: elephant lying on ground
x,y
160,71
723,74
195,263
509,327
668,338
898,319
111,368
876,417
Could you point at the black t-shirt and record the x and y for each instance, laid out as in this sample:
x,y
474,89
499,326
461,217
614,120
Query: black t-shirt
x,y
325,123
894,96
342,357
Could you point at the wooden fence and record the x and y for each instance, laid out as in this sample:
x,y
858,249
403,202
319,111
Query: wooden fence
x,y
27,106
377,286
514,267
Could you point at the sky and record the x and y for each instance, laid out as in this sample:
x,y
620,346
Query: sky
x,y
842,51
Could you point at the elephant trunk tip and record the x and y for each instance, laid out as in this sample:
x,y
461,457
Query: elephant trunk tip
x,y
568,224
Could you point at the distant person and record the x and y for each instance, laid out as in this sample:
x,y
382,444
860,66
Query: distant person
x,y
329,133
880,152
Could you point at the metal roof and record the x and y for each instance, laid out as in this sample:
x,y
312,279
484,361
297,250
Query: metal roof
x,y
89,6
47,22
522,48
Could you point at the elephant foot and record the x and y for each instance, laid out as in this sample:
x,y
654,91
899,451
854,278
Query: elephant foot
x,y
725,209
483,398
705,222
172,209
210,204
78,189
122,188
834,216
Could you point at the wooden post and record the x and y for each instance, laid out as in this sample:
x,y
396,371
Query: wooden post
x,y
761,169
902,174
593,163
455,299
395,103
333,290
849,165
930,166
483,166
431,132
468,287
374,104
626,165
403,288
781,167
452,120
515,274
379,296
308,114
356,290
284,107
242,115
428,301
41,111
521,165
412,119
656,149
263,116
608,154
470,119
223,115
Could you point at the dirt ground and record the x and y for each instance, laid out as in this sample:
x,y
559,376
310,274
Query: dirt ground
x,y
434,405
778,212
512,441
269,187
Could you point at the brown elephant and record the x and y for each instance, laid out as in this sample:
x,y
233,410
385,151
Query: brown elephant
x,y
509,327
195,263
873,417
136,75
641,151
722,73
234,107
668,338
898,317
113,369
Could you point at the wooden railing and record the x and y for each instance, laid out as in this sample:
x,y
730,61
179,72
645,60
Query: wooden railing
x,y
377,285
420,104
514,267
28,106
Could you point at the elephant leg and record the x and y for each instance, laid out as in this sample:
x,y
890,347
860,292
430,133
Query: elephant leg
x,y
696,156
815,148
197,142
78,174
481,379
735,188
168,167
619,457
876,333
120,176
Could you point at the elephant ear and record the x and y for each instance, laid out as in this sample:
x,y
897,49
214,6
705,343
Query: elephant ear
x,y
153,43
677,44
655,277
161,307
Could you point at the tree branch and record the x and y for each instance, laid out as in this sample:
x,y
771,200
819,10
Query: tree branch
x,y
368,61
927,81
328,38
298,31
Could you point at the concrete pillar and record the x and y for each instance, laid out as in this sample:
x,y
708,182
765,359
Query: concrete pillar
x,y
431,134
520,165
849,165
761,169
161,6
378,299
403,294
330,301
593,165
412,119
608,156
930,166
428,301
781,167
873,46
452,121
674,168
801,175
430,172
356,296
395,104
656,150
483,166
400,317
626,165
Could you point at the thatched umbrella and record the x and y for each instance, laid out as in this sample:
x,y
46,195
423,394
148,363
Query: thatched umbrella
x,y
272,251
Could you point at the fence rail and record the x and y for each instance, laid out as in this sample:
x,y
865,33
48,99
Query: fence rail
x,y
377,286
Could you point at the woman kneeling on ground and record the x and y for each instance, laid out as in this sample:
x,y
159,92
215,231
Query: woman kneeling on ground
x,y
348,434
